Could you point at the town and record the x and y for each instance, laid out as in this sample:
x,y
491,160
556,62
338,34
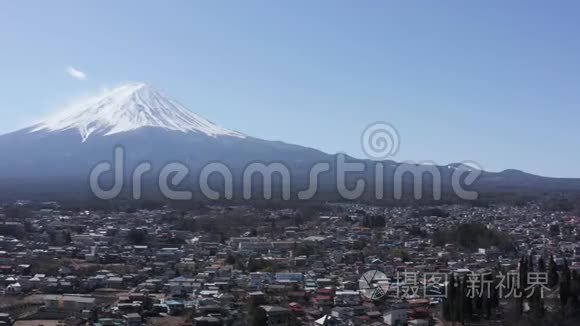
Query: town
x,y
327,264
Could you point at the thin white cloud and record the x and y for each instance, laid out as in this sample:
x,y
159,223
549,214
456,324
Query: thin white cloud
x,y
75,73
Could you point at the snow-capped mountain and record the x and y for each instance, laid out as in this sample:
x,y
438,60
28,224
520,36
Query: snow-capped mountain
x,y
127,108
55,157
149,126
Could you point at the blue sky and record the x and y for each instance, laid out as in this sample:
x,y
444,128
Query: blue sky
x,y
492,81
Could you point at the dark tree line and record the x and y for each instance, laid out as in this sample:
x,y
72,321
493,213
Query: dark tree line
x,y
472,236
461,305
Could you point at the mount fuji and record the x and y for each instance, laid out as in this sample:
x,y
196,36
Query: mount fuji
x,y
63,149
129,108
54,158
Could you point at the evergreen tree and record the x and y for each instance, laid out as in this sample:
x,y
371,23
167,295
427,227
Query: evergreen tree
x,y
540,309
575,289
565,286
553,277
467,301
537,301
449,299
541,265
256,315
489,295
523,272
460,301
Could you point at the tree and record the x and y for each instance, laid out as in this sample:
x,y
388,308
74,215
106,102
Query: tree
x,y
449,301
541,265
431,212
186,223
575,289
231,260
553,277
565,286
259,265
137,236
472,236
256,315
537,301
554,230
453,305
523,273
416,231
374,221
18,212
467,301
307,249
400,253
67,237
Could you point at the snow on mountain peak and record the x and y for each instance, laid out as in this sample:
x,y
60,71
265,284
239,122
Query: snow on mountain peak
x,y
127,108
